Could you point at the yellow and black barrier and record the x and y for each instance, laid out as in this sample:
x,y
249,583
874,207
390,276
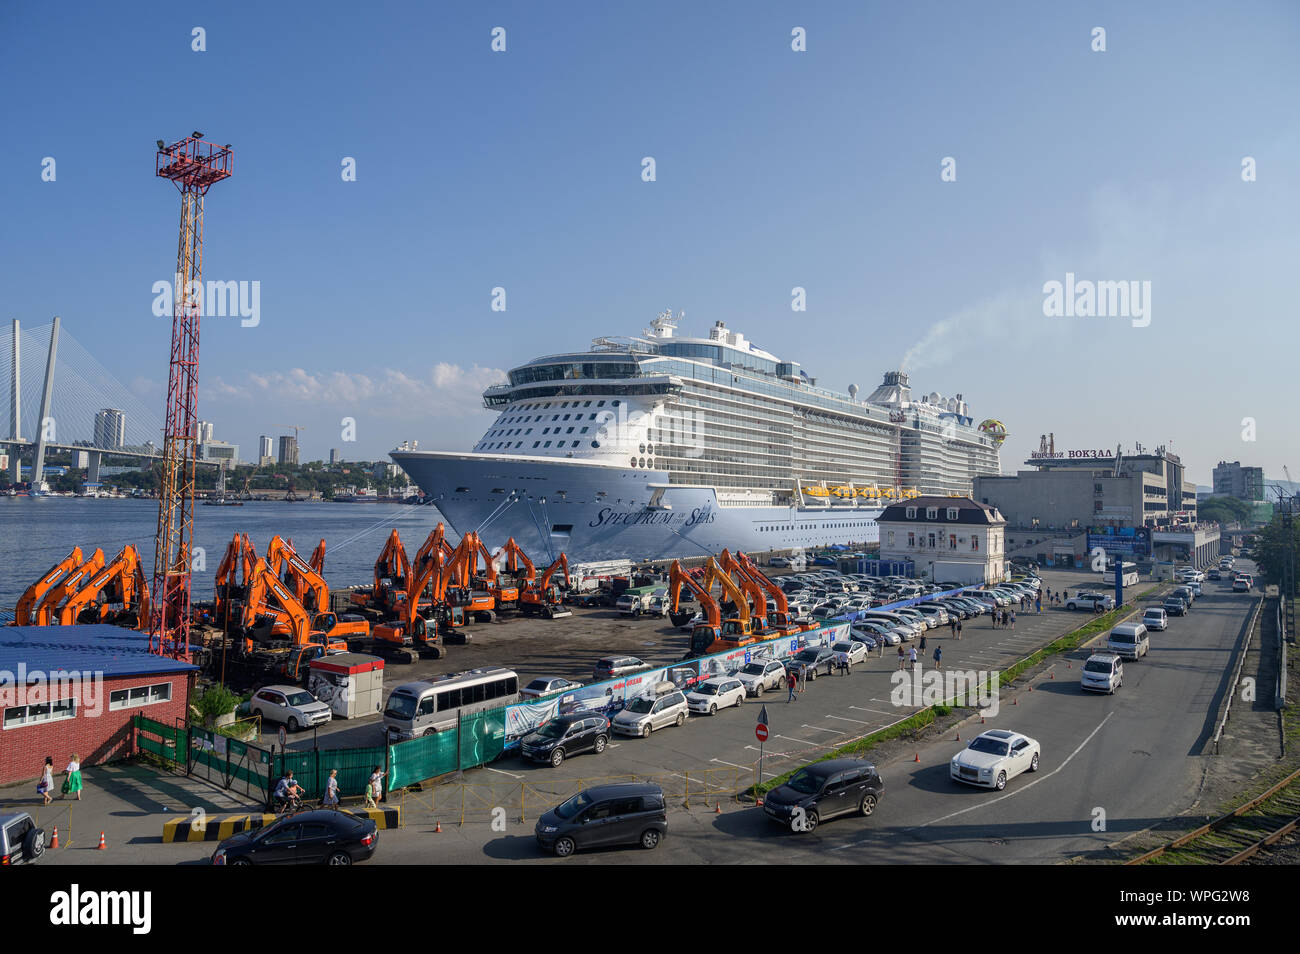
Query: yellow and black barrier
x,y
221,827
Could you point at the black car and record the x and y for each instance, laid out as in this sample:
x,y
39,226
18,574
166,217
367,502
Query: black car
x,y
807,662
1175,606
566,735
823,790
304,838
629,814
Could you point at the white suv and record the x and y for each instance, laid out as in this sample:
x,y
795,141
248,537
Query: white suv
x,y
294,706
760,674
716,693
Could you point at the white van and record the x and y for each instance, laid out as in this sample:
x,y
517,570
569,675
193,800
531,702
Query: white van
x,y
1129,641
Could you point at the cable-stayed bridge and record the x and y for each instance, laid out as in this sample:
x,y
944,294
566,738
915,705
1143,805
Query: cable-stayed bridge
x,y
58,396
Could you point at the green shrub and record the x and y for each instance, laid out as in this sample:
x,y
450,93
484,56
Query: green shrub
x,y
216,701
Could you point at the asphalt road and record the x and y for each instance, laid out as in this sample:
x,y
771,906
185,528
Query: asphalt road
x,y
1132,756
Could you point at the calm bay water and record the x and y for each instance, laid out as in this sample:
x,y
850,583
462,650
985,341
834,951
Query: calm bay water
x,y
35,533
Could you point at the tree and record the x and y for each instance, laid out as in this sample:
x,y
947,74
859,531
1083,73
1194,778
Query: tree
x,y
1224,510
1271,546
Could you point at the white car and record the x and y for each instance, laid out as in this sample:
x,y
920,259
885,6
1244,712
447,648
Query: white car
x,y
1154,617
993,758
716,693
877,631
294,706
759,675
1089,601
857,652
545,686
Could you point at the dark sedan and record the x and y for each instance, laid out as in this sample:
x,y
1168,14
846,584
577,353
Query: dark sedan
x,y
304,838
806,662
1175,607
824,790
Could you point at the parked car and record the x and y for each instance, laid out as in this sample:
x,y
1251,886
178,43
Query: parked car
x,y
856,650
994,757
1215,575
614,667
631,813
808,662
714,693
545,686
22,842
780,562
760,675
295,707
1090,601
666,705
823,790
1154,617
1240,585
566,735
1103,672
327,836
1129,640
1175,607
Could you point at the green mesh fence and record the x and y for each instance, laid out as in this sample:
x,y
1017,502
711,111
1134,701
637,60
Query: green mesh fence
x,y
480,738
165,741
311,769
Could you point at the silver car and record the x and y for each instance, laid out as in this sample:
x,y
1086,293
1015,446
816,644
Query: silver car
x,y
760,675
294,706
646,713
716,693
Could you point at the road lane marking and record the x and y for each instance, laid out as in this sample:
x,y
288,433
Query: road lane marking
x,y
500,772
865,709
819,729
844,719
733,764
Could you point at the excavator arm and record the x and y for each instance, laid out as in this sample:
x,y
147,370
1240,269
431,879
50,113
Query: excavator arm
x,y
738,628
47,609
317,560
515,556
119,582
705,634
310,588
780,619
754,593
24,614
561,563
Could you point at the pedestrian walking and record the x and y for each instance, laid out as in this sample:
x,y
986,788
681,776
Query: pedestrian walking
x,y
73,782
952,625
1038,605
1013,620
923,642
902,659
959,629
792,683
938,657
375,788
45,787
331,799
911,658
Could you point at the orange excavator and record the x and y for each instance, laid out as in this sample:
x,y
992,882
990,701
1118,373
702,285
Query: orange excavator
x,y
317,559
435,543
412,634
269,598
121,584
542,597
311,594
478,604
25,613
738,630
779,620
392,570
705,633
505,594
46,611
753,594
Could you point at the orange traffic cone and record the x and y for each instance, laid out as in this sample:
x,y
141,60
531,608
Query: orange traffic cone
x,y
958,739
54,842
102,846
982,720
759,801
437,828
1031,688
1015,702
1052,675
717,809
917,758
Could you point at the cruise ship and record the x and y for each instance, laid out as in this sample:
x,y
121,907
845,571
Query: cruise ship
x,y
661,446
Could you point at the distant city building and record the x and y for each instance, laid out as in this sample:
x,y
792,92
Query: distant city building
x,y
204,432
219,450
1233,480
335,455
4,461
110,428
288,450
81,459
264,447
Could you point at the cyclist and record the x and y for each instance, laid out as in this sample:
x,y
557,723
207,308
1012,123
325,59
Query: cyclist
x,y
288,792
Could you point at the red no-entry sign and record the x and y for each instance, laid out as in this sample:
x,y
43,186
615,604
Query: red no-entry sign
x,y
760,732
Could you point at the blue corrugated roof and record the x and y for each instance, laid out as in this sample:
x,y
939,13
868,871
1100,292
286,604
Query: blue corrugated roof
x,y
111,650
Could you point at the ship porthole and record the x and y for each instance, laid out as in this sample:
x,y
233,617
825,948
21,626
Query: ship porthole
x,y
633,461
642,462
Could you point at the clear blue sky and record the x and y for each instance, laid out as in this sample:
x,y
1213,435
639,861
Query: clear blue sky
x,y
775,169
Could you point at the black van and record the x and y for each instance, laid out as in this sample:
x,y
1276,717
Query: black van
x,y
627,814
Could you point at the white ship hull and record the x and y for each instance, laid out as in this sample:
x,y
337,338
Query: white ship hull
x,y
594,511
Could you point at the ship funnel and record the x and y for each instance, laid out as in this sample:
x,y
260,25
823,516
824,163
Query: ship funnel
x,y
853,391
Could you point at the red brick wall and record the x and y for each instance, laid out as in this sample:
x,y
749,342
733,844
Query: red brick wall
x,y
100,738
